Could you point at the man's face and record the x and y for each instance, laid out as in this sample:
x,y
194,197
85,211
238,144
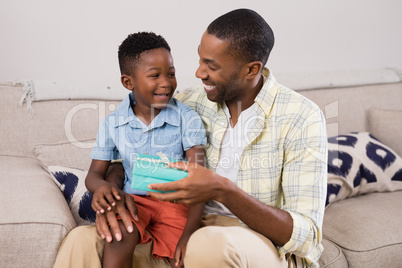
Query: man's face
x,y
219,70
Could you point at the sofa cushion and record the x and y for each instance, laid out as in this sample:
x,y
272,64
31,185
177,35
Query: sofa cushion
x,y
386,126
65,154
71,182
367,228
33,214
358,163
332,256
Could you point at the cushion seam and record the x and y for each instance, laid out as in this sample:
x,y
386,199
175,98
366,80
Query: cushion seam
x,y
344,247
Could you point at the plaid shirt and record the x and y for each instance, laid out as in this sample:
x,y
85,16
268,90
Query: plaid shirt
x,y
285,163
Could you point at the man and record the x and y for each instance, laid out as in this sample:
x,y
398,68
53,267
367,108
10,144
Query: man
x,y
265,181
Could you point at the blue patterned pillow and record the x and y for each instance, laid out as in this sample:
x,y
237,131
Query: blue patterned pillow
x,y
358,163
71,182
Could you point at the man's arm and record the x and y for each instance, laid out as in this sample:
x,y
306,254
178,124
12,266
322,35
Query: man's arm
x,y
203,184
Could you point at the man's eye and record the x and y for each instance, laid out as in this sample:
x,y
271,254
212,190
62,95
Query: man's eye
x,y
211,68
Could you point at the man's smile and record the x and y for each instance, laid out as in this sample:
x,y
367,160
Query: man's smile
x,y
209,88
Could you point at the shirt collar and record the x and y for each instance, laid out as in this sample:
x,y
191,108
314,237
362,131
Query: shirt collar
x,y
267,94
125,115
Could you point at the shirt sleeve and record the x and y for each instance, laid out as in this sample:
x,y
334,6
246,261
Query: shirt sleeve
x,y
193,130
105,147
304,183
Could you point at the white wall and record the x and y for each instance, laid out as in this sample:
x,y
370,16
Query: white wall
x,y
77,40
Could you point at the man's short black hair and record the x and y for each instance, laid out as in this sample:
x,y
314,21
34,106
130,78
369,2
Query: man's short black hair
x,y
249,35
134,45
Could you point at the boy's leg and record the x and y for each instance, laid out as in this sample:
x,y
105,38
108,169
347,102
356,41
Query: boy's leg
x,y
120,253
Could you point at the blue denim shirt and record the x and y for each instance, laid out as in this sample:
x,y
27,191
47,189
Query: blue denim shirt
x,y
173,131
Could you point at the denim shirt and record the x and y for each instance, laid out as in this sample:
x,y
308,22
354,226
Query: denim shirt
x,y
122,134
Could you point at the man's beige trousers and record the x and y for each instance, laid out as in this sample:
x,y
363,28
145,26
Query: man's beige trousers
x,y
222,243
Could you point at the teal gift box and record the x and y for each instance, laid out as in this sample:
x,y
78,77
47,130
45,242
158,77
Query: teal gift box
x,y
148,169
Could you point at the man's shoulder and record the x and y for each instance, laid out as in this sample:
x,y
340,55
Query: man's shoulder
x,y
191,93
294,100
196,98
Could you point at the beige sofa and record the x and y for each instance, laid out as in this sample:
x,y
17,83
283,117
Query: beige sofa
x,y
360,231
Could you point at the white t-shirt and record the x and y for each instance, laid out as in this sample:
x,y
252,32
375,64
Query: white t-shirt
x,y
233,144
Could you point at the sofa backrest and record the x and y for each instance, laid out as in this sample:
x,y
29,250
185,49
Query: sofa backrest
x,y
53,121
346,108
57,121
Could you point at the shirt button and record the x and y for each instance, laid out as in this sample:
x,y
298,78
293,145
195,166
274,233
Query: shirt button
x,y
222,124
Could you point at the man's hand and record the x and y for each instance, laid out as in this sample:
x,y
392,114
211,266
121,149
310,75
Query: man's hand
x,y
201,185
107,222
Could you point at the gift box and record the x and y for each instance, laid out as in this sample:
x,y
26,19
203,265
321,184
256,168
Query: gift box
x,y
148,169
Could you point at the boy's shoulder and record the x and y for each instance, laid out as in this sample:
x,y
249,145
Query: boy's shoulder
x,y
122,108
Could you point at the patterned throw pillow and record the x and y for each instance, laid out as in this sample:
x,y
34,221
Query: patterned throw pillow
x,y
358,163
71,182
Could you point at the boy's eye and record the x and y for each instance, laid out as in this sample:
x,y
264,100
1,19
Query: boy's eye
x,y
154,75
172,74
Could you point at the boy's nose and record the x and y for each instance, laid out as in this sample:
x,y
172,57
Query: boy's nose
x,y
165,82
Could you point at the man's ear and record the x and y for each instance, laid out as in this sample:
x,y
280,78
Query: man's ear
x,y
253,69
127,81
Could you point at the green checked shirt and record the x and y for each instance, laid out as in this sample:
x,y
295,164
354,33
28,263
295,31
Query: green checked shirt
x,y
285,163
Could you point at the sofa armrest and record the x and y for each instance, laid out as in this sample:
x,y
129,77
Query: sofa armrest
x,y
34,216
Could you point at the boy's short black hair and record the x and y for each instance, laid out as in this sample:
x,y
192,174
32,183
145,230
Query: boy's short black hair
x,y
249,35
134,45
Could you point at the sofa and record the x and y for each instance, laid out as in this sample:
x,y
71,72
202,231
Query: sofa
x,y
46,141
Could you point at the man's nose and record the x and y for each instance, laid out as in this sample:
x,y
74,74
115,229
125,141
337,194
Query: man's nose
x,y
201,73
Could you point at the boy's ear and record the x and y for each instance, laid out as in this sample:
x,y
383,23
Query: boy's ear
x,y
253,69
127,81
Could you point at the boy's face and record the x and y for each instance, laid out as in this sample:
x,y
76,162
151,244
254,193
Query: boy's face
x,y
220,71
153,80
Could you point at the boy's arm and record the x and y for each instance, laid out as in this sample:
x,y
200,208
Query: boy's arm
x,y
106,223
96,175
115,174
194,155
102,190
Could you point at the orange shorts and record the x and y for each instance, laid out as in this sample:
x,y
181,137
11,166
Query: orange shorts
x,y
165,221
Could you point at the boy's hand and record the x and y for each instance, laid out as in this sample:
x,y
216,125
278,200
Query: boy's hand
x,y
181,251
104,198
107,222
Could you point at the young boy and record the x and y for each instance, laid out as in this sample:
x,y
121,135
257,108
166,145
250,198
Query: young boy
x,y
147,121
